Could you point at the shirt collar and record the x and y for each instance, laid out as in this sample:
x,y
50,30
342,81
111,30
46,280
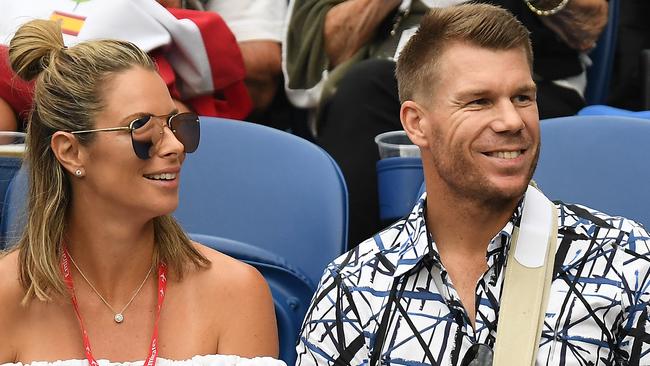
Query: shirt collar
x,y
407,242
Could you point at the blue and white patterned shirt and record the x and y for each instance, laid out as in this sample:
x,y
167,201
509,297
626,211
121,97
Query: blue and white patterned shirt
x,y
390,301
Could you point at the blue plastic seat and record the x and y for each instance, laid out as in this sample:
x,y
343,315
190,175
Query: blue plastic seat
x,y
599,161
291,289
13,190
249,183
267,188
605,110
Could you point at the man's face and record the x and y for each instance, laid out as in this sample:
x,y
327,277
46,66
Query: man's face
x,y
481,124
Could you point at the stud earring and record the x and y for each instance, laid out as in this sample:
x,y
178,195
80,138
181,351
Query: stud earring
x,y
78,173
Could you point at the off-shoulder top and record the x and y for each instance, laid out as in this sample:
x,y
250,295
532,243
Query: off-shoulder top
x,y
208,360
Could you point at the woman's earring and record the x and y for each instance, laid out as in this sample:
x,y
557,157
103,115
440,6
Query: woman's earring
x,y
78,173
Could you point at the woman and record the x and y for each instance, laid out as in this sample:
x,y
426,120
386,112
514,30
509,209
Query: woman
x,y
102,271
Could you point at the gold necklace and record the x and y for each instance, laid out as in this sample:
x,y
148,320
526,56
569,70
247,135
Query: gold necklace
x,y
118,316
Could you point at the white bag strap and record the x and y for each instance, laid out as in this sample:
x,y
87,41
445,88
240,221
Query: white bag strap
x,y
527,282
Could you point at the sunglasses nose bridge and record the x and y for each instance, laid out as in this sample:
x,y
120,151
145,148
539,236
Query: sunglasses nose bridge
x,y
166,123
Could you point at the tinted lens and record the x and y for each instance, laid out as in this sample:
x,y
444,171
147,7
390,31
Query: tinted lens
x,y
187,130
478,355
142,135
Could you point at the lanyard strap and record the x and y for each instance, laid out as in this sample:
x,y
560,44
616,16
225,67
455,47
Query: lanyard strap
x,y
527,282
162,286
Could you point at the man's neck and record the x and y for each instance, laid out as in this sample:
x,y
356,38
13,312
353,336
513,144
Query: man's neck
x,y
462,230
462,226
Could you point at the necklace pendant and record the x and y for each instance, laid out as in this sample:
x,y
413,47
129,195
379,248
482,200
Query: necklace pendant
x,y
119,318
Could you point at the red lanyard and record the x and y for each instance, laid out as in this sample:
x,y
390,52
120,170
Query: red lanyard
x,y
162,286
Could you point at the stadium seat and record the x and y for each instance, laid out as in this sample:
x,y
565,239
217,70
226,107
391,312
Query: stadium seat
x,y
267,188
599,161
291,290
13,188
252,184
605,110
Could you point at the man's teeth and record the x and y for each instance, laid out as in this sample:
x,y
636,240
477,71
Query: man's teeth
x,y
506,154
163,176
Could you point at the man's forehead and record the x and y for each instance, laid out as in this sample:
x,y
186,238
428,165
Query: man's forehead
x,y
450,52
469,63
478,91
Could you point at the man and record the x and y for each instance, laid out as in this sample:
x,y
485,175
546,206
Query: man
x,y
426,289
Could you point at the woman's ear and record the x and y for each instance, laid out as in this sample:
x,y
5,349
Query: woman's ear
x,y
68,152
413,117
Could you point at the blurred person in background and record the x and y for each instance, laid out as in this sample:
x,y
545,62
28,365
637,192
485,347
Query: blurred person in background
x,y
257,26
196,53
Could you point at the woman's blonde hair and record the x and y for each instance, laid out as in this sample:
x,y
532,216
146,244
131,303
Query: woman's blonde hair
x,y
67,97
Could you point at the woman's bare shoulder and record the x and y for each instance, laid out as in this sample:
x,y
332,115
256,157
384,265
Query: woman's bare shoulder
x,y
11,295
230,272
245,309
10,287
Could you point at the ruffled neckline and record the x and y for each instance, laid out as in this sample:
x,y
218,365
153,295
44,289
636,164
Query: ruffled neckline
x,y
201,360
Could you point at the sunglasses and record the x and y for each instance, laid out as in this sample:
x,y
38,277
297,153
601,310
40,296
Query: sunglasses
x,y
478,355
145,133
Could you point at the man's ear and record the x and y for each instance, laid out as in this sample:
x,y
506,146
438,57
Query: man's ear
x,y
67,150
413,117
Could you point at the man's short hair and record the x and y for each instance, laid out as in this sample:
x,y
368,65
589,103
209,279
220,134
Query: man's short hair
x,y
482,25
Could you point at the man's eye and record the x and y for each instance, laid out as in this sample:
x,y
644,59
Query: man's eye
x,y
523,98
479,102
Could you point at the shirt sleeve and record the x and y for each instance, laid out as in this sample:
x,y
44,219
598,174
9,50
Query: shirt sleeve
x,y
15,91
634,338
332,333
305,63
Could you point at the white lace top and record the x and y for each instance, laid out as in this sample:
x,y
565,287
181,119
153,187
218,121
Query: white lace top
x,y
209,360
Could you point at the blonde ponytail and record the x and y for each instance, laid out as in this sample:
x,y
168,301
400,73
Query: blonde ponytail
x,y
34,45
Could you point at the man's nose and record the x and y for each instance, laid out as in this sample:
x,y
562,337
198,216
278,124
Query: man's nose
x,y
509,118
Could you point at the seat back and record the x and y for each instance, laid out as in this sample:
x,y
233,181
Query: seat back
x,y
9,182
267,188
599,74
599,161
291,289
605,110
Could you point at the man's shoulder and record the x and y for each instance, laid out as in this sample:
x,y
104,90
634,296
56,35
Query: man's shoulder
x,y
385,255
584,227
580,218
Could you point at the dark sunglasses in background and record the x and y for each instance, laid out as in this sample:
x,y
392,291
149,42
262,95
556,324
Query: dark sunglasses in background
x,y
145,132
478,355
